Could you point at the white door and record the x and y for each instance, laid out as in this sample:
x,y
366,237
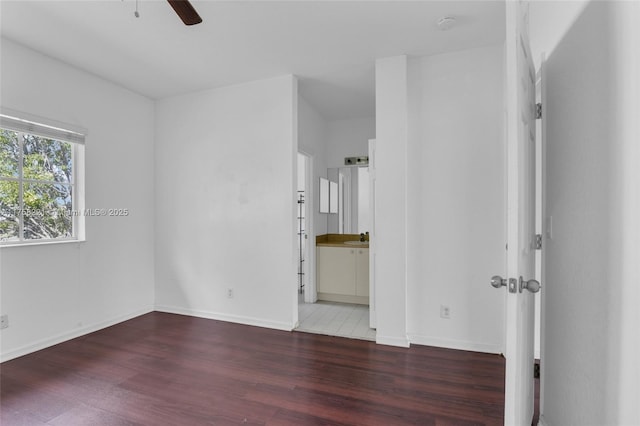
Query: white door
x,y
520,129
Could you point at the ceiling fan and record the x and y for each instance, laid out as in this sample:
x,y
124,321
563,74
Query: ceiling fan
x,y
185,11
183,8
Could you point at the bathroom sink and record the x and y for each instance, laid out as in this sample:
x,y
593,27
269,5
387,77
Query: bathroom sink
x,y
356,243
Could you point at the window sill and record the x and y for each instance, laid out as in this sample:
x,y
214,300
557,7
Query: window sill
x,y
41,243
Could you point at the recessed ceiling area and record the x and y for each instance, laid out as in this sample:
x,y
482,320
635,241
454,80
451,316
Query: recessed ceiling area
x,y
330,45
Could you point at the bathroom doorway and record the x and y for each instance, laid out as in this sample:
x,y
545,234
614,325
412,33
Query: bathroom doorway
x,y
327,304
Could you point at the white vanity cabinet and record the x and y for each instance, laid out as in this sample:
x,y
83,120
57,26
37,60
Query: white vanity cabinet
x,y
343,274
362,272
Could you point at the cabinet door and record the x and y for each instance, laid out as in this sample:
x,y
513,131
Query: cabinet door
x,y
362,272
336,271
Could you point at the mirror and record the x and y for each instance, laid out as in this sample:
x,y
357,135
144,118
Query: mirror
x,y
352,203
333,197
324,195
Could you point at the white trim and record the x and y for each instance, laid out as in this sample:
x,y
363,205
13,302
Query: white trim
x,y
392,341
542,421
237,319
373,316
40,126
42,242
456,344
63,337
544,231
79,197
310,295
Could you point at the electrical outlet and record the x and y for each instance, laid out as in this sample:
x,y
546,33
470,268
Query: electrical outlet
x,y
445,312
229,293
4,321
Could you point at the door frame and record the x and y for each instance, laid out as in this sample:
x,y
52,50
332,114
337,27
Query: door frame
x,y
372,234
545,229
309,247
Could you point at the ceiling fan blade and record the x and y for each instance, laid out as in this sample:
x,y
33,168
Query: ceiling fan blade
x,y
185,11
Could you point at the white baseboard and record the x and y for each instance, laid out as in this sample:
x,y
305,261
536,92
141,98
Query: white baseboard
x,y
63,337
392,341
455,344
238,319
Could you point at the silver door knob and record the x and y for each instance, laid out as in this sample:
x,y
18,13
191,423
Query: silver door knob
x,y
532,285
497,281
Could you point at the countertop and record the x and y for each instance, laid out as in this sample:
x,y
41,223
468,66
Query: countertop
x,y
338,240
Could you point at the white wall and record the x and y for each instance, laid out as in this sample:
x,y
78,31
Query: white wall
x,y
55,292
549,22
591,343
225,202
348,138
440,178
456,200
392,134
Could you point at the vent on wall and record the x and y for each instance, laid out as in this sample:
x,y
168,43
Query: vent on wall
x,y
356,161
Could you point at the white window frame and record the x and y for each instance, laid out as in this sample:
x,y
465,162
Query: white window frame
x,y
23,123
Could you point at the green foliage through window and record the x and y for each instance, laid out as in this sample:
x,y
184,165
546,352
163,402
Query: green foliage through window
x,y
36,187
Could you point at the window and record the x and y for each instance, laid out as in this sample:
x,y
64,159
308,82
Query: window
x,y
39,188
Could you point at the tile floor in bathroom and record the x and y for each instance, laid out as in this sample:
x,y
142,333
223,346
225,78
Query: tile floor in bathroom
x,y
335,319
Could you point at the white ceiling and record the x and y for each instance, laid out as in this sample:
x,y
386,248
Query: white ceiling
x,y
330,45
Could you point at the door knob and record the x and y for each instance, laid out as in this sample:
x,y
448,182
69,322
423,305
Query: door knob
x,y
532,285
512,284
497,281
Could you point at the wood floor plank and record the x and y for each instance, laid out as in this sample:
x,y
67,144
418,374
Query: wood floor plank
x,y
18,398
90,416
177,370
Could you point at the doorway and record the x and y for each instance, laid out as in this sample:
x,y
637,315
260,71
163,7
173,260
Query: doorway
x,y
345,318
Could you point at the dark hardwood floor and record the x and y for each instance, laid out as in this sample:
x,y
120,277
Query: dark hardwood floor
x,y
164,369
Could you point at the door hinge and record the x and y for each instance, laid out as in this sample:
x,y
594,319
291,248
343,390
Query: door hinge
x,y
538,241
538,111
